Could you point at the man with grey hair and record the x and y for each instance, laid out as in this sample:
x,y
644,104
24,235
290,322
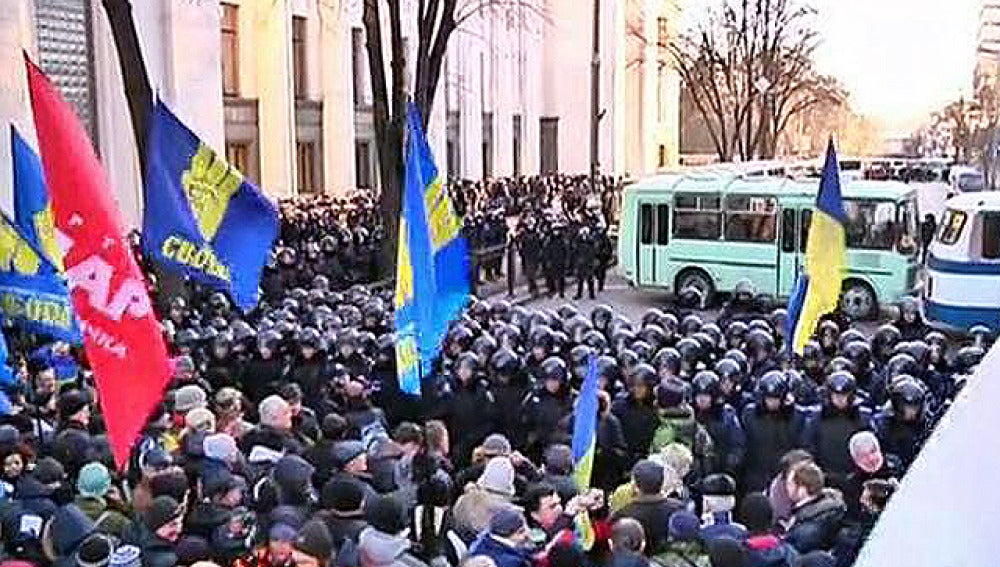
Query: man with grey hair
x,y
869,463
273,437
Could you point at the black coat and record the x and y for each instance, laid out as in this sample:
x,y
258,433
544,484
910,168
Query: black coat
x,y
827,436
639,421
769,437
816,522
653,512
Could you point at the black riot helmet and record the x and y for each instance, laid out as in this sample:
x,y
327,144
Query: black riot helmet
x,y
735,334
690,324
644,350
729,370
828,333
759,345
505,362
884,341
690,351
652,316
901,364
706,383
849,336
654,335
907,391
812,356
668,360
982,336
739,357
772,384
968,358
608,368
841,382
595,340
601,317
644,374
554,369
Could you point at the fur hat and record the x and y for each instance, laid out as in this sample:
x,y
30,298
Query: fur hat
x,y
314,540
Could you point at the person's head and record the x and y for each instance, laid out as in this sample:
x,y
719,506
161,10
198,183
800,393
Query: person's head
x,y
508,523
792,459
627,536
280,540
387,514
718,493
313,545
93,480
558,459
228,403
543,505
46,382
200,420
276,412
866,451
498,477
74,407
726,552
409,436
804,482
647,476
477,561
875,494
164,518
16,461
292,393
757,514
437,436
350,457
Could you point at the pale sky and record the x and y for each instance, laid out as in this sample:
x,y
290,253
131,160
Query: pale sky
x,y
900,59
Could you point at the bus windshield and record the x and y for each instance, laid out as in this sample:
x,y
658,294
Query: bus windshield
x,y
881,225
970,182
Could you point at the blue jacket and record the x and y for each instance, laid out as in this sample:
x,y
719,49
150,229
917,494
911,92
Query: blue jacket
x,y
501,553
722,526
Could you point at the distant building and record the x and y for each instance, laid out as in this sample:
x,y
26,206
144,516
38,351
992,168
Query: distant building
x,y
283,86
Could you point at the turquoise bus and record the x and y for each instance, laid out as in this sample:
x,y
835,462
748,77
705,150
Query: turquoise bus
x,y
711,228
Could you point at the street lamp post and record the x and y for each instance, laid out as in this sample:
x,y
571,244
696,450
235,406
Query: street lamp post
x,y
595,98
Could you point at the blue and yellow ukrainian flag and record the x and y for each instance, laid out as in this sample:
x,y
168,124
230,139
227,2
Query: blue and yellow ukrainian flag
x,y
585,445
817,290
432,271
202,218
32,208
33,294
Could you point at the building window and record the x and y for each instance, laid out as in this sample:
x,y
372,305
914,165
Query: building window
x,y
299,55
305,154
549,145
363,164
230,50
238,156
516,144
358,64
663,155
662,33
454,144
487,144
65,37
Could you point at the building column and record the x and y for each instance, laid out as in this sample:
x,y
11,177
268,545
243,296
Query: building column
x,y
337,83
277,105
193,82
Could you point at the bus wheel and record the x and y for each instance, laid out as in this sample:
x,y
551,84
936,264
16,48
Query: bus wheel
x,y
858,301
699,280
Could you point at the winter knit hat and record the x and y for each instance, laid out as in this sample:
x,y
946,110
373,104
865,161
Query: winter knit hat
x,y
648,477
498,477
507,521
756,513
200,419
726,552
95,551
161,511
314,540
191,549
94,480
220,446
387,514
126,556
496,445
49,471
346,451
684,526
70,403
188,398
282,532
342,496
293,473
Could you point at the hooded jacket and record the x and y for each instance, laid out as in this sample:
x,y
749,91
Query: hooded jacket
x,y
502,553
378,549
817,521
68,528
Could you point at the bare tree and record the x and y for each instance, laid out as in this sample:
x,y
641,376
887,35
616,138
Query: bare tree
x,y
749,67
437,22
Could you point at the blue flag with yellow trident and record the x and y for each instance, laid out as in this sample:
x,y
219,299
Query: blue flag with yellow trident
x,y
33,294
202,218
432,269
32,208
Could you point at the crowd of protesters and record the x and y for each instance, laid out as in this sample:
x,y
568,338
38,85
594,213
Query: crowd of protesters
x,y
285,441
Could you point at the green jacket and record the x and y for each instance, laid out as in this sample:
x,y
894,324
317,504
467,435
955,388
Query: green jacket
x,y
107,520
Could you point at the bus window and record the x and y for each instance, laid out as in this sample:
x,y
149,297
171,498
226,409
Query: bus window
x,y
751,218
788,230
951,226
662,224
697,216
646,224
906,221
807,216
871,225
991,235
971,182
